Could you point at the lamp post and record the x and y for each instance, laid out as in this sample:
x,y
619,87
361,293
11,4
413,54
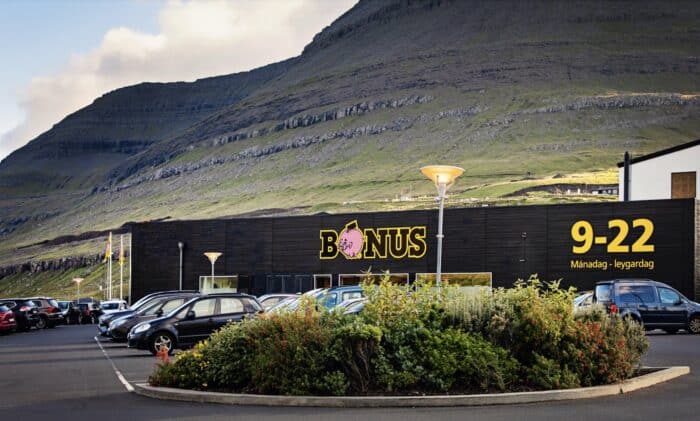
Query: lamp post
x,y
78,281
444,177
181,246
212,258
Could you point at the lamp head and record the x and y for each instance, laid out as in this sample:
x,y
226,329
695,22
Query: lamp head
x,y
78,280
212,256
180,245
442,175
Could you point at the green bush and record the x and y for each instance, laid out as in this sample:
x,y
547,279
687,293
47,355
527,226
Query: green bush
x,y
417,339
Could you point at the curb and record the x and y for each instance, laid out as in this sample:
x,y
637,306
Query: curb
x,y
645,380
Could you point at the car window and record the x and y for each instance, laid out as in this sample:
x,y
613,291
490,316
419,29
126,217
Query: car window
x,y
172,305
639,294
37,303
351,295
63,305
152,309
230,305
4,308
110,306
204,308
602,292
668,296
330,300
53,303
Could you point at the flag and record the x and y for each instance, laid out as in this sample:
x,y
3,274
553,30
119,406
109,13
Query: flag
x,y
121,250
108,250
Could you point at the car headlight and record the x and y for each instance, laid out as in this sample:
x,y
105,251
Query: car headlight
x,y
142,328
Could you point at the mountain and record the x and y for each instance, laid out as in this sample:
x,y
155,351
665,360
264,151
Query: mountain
x,y
511,90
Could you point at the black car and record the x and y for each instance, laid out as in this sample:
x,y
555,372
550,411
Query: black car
x,y
192,322
26,312
653,304
157,307
70,313
106,319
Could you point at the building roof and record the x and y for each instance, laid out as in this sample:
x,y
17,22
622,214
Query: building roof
x,y
661,152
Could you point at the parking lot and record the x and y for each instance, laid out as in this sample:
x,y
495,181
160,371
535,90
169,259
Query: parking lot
x,y
64,371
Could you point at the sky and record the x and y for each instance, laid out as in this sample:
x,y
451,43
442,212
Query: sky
x,y
59,55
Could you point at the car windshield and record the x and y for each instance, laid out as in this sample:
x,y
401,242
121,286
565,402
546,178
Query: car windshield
x,y
603,292
53,303
4,308
63,305
110,306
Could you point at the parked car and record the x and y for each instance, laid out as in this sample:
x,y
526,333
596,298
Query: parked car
x,y
106,319
71,315
353,306
26,312
7,319
583,301
112,306
269,300
192,322
653,304
158,307
89,312
292,303
337,295
49,313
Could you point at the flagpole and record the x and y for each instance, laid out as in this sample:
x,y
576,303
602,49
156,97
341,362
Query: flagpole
x,y
121,267
109,295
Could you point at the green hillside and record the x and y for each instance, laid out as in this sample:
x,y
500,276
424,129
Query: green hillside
x,y
520,94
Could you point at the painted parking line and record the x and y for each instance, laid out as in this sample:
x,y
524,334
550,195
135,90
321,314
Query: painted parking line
x,y
121,378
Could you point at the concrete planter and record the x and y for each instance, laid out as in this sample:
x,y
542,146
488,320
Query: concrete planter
x,y
645,380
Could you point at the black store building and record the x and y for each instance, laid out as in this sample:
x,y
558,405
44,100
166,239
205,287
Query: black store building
x,y
579,244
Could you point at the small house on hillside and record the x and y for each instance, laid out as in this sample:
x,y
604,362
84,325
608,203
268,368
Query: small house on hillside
x,y
666,174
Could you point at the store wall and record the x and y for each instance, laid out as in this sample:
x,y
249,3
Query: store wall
x,y
510,242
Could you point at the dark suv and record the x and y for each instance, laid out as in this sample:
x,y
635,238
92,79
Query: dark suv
x,y
50,313
192,322
654,304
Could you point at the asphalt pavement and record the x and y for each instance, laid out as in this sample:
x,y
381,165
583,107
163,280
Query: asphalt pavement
x,y
64,372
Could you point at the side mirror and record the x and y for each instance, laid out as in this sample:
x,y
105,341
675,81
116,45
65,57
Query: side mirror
x,y
679,302
190,315
159,312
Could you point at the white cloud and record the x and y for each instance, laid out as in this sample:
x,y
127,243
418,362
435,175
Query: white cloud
x,y
197,39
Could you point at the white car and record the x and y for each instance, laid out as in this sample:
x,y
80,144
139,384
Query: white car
x,y
113,306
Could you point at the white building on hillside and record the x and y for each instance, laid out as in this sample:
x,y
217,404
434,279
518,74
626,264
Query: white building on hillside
x,y
667,174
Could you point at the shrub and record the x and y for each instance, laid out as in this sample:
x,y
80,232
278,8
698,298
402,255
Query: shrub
x,y
417,340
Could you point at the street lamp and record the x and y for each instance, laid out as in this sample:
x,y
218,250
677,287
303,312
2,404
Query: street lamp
x,y
181,246
212,258
78,281
444,177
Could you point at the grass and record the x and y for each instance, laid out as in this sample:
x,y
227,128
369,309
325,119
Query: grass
x,y
60,284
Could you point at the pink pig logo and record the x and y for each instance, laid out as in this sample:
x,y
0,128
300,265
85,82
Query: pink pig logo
x,y
351,241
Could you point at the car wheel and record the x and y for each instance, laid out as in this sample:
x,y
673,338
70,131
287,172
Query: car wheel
x,y
41,323
694,324
671,331
162,341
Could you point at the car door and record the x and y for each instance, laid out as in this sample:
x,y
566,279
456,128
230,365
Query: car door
x,y
674,311
200,327
641,299
231,310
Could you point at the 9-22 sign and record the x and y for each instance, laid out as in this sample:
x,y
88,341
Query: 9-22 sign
x,y
582,233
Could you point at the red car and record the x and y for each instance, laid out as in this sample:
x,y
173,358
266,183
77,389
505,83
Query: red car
x,y
7,319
